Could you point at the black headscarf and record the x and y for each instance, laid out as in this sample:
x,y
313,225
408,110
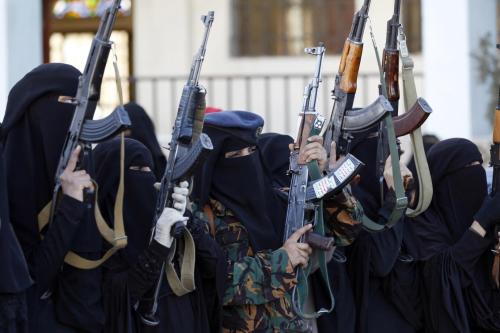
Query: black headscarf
x,y
275,155
34,130
241,184
140,195
458,194
455,264
143,130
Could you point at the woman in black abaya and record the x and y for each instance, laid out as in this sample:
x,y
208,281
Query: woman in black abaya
x,y
453,240
374,257
134,270
63,298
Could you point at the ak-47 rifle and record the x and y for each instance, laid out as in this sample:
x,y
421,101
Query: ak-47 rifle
x,y
304,205
495,186
417,109
83,130
188,150
343,120
418,113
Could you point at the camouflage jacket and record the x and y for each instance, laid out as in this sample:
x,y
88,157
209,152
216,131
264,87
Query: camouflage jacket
x,y
258,285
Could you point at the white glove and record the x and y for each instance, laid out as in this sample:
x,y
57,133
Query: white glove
x,y
180,196
164,224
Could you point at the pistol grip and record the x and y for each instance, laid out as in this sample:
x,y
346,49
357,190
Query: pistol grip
x,y
178,230
318,242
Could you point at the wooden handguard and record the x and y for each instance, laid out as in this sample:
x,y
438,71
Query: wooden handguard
x,y
318,242
390,63
496,127
413,118
349,66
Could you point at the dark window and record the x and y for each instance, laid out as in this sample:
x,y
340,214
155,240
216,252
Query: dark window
x,y
286,27
412,24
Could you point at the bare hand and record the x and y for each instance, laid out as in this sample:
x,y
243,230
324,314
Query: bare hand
x,y
389,177
73,182
314,150
298,253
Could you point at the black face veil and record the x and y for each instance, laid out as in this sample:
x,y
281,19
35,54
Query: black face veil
x,y
241,183
140,194
34,129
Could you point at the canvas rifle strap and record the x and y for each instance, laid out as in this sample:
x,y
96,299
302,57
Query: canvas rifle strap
x,y
116,237
185,284
410,98
401,200
300,292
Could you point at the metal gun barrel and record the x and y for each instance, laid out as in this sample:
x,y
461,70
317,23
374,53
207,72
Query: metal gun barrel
x,y
200,55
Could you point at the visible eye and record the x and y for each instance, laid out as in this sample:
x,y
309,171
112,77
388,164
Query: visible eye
x,y
140,168
473,163
240,153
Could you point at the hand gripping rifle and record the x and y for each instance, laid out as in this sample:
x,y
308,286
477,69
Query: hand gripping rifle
x,y
343,119
188,150
303,204
83,130
495,164
417,108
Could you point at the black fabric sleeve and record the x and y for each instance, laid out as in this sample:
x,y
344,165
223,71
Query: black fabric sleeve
x,y
469,248
46,260
144,274
385,248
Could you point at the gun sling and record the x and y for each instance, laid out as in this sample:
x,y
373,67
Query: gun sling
x,y
401,200
116,237
301,290
410,98
185,284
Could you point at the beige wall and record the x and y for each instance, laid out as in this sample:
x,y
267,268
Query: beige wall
x,y
167,34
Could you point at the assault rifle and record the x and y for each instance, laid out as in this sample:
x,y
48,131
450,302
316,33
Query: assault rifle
x,y
304,205
343,119
418,112
417,109
184,157
495,186
83,130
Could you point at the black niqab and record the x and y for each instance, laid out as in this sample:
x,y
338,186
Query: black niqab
x,y
34,130
459,293
242,185
143,130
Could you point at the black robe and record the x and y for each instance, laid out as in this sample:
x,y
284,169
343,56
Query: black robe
x,y
134,270
63,298
456,262
15,279
374,258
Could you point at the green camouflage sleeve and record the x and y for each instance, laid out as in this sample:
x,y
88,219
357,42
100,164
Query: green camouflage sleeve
x,y
342,218
259,279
